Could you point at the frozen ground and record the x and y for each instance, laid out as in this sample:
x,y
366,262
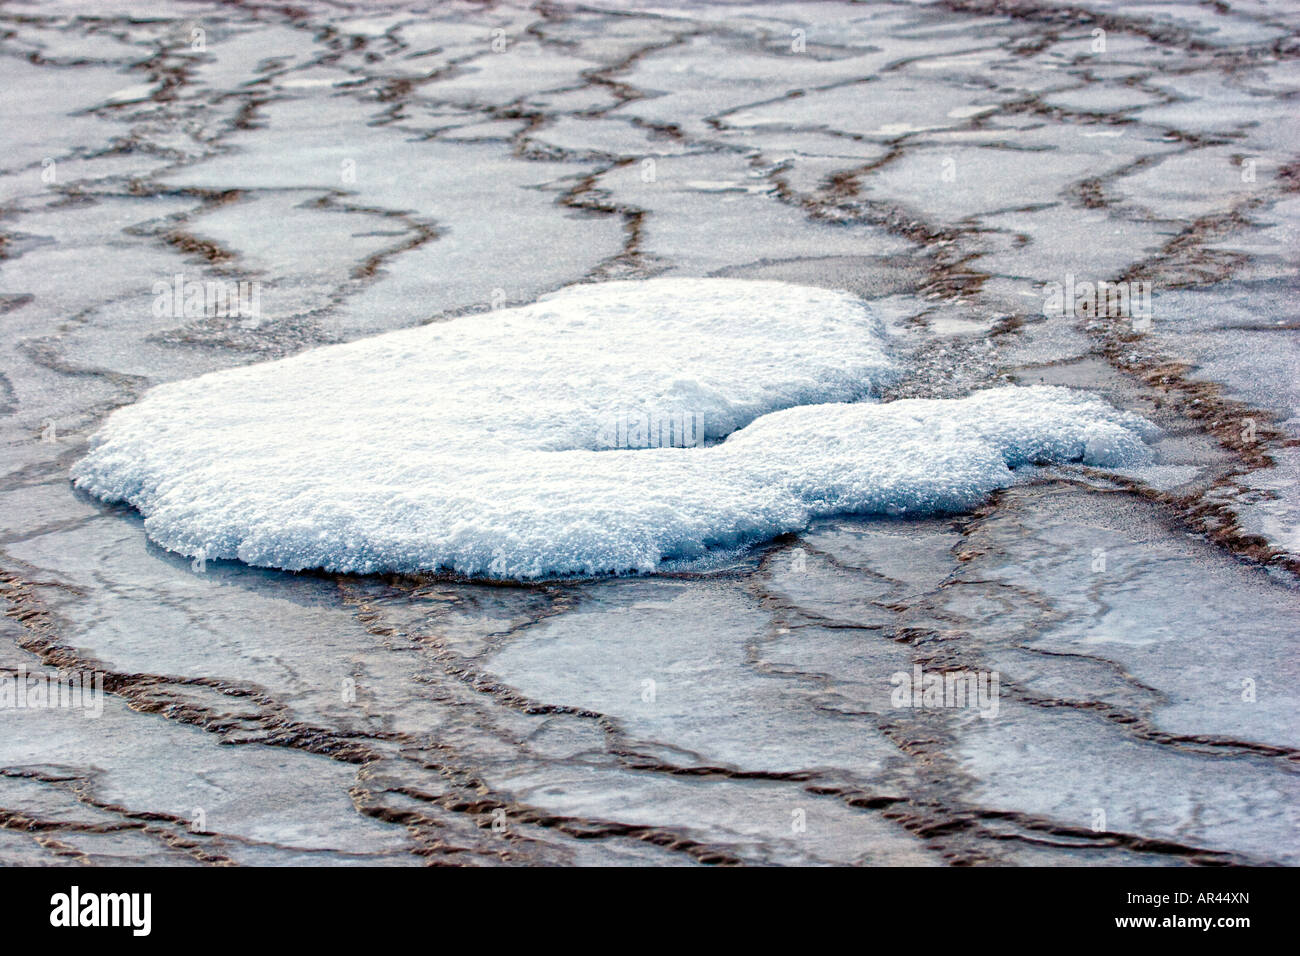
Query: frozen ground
x,y
386,166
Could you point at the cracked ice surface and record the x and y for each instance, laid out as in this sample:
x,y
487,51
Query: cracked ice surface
x,y
386,167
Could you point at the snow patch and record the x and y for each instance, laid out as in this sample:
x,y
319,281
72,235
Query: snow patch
x,y
479,445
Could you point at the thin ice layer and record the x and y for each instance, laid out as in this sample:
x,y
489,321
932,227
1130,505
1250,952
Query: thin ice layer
x,y
476,445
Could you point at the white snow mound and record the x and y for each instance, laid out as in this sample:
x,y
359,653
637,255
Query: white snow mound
x,y
481,445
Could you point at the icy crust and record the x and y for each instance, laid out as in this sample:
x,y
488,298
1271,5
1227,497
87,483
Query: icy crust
x,y
475,446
